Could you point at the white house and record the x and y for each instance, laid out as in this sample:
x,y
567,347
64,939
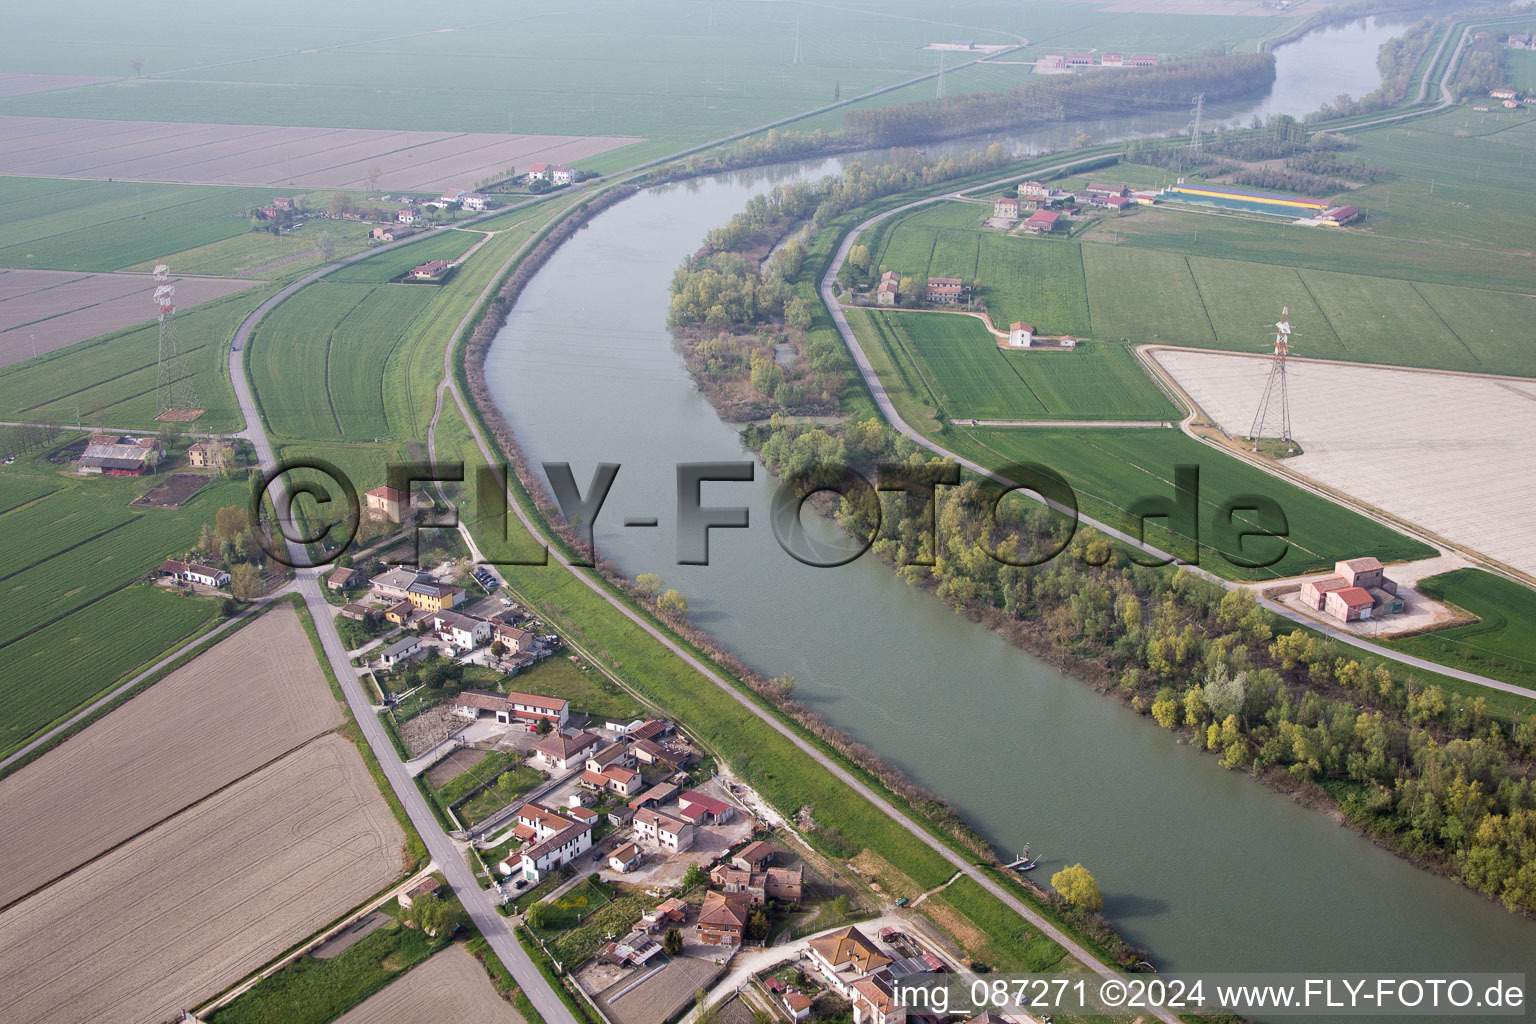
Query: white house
x,y
663,830
563,752
1020,334
548,854
626,858
844,956
462,631
472,201
405,216
559,174
401,651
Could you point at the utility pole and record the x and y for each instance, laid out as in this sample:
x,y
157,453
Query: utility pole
x,y
797,42
1199,113
941,74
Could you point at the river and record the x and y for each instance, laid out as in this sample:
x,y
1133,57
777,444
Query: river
x,y
1206,868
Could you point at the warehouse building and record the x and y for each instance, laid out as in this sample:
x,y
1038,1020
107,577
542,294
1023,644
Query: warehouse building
x,y
1251,200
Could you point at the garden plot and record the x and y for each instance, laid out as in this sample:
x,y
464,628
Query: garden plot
x,y
206,898
44,310
1437,449
228,154
248,699
450,986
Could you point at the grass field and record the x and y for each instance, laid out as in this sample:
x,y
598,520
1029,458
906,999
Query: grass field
x,y
589,691
111,225
1521,68
1502,644
1110,470
957,362
262,255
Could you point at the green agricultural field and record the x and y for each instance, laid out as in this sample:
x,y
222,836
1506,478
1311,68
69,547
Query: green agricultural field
x,y
588,690
682,73
1521,68
54,670
316,359
17,490
112,379
53,525
1111,470
260,254
969,377
1144,296
1501,644
394,263
110,225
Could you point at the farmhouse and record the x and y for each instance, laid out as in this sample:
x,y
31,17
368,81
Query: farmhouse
x,y
524,707
1141,60
1033,190
432,596
560,848
512,638
1096,191
1041,222
1116,203
947,290
119,455
563,752
432,270
389,233
387,502
1020,334
1358,589
405,216
701,808
664,830
401,651
626,858
345,578
1348,604
194,572
874,1002
472,201
1502,94
209,454
612,754
887,292
798,1004
754,857
723,918
845,955
1006,207
613,779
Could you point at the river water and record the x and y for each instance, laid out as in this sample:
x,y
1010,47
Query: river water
x,y
1206,868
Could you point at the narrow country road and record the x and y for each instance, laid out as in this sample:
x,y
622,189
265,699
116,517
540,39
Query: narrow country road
x,y
444,853
893,417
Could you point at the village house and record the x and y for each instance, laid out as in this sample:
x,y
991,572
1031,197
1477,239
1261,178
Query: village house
x,y
433,596
754,857
584,816
947,290
1020,334
535,821
702,809
887,292
463,631
512,638
452,197
284,203
670,911
402,651
874,1002
663,830
426,887
798,1004
194,572
473,201
560,848
386,502
431,270
119,455
346,578
613,779
400,613
209,454
844,956
612,754
396,583
358,612
405,215
1006,208
626,858
523,707
1033,190
388,233
723,918
562,752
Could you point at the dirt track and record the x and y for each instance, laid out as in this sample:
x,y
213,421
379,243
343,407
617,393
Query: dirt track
x,y
450,986
247,700
173,916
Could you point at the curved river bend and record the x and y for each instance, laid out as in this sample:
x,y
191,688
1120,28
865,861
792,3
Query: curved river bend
x,y
1206,868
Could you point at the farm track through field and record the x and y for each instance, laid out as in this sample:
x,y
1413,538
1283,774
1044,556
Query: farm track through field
x,y
1203,307
1320,310
1414,285
64,551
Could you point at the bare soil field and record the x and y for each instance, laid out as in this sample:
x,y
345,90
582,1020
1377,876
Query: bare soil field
x,y
44,310
204,899
17,84
658,998
1434,448
173,492
454,765
247,700
450,986
228,154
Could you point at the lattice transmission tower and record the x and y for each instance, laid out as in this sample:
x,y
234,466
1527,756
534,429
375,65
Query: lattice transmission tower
x,y
1273,418
173,379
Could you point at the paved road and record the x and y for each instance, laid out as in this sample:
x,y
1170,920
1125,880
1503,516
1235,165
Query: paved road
x,y
448,857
